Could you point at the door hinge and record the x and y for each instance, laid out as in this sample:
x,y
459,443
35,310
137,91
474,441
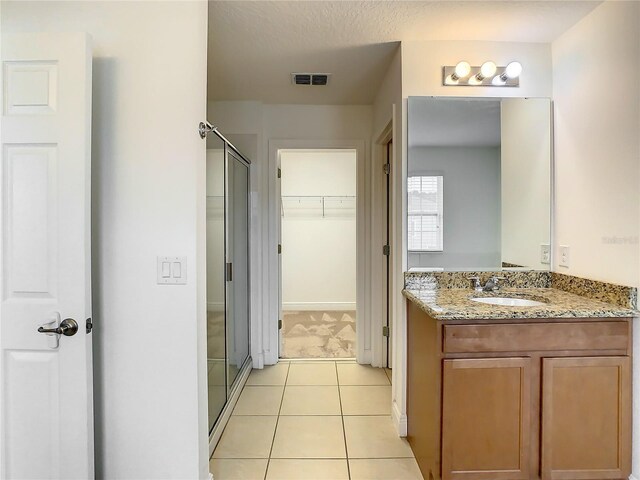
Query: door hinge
x,y
386,250
229,273
387,168
89,325
279,248
279,173
385,331
279,324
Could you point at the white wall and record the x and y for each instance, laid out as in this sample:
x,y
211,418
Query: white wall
x,y
471,213
597,152
318,253
596,144
388,95
526,180
148,199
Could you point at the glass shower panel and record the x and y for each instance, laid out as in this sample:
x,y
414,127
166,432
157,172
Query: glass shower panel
x,y
238,258
216,354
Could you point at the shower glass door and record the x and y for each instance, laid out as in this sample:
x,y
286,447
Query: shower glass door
x,y
216,345
237,265
227,242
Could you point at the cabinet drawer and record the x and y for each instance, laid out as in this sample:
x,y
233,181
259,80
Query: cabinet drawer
x,y
569,336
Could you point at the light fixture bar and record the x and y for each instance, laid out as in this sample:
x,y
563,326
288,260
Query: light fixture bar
x,y
475,78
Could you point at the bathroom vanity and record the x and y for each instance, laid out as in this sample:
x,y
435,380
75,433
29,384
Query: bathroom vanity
x,y
510,392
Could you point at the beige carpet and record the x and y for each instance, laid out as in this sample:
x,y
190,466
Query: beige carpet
x,y
319,334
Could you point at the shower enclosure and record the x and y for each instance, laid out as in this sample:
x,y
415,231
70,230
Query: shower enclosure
x,y
227,273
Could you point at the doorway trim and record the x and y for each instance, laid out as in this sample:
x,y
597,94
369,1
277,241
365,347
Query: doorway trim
x,y
380,305
363,248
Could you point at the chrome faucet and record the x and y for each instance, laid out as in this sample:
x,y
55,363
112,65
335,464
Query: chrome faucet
x,y
492,285
475,283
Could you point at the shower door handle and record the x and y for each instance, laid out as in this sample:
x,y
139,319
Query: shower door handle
x,y
229,272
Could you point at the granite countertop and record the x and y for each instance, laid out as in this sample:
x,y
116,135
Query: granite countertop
x,y
455,304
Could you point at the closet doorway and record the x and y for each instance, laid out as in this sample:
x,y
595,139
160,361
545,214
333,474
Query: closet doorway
x,y
318,253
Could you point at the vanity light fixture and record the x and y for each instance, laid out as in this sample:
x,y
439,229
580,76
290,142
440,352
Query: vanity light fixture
x,y
487,74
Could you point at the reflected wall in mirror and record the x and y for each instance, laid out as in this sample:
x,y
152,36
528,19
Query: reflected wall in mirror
x,y
479,183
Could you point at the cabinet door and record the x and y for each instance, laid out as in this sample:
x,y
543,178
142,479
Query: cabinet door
x,y
485,419
586,418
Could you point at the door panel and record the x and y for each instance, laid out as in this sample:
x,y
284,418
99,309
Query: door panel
x,y
485,419
586,418
238,258
46,387
31,87
216,344
29,199
28,373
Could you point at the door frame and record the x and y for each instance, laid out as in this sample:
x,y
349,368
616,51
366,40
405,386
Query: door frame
x,y
381,304
270,330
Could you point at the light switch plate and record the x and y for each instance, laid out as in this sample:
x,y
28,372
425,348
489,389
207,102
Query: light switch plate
x,y
172,270
564,256
545,253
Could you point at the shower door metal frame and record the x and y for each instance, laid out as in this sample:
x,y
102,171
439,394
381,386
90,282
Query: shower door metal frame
x,y
234,389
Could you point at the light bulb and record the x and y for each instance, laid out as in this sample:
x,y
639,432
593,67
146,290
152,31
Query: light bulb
x,y
475,80
488,69
451,81
498,81
462,69
513,70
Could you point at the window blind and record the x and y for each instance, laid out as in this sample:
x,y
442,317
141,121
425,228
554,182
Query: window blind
x,y
425,208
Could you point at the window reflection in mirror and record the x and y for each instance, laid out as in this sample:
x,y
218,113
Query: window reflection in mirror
x,y
479,183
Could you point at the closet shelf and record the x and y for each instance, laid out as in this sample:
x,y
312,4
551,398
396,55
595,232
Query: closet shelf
x,y
318,206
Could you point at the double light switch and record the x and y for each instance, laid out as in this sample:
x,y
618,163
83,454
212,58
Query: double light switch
x,y
172,270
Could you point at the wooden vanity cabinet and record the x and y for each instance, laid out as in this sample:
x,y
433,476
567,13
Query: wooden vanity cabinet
x,y
486,418
519,399
586,418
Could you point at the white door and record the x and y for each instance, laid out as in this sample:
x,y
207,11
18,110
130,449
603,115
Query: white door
x,y
46,384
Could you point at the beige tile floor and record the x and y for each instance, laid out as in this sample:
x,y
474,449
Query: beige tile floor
x,y
328,420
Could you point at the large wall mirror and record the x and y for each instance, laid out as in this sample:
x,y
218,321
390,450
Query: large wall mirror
x,y
479,183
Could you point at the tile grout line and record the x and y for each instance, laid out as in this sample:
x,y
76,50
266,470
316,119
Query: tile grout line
x,y
344,431
273,440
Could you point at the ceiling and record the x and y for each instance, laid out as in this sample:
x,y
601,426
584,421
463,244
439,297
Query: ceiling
x,y
254,46
454,122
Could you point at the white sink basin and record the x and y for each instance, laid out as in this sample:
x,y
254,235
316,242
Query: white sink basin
x,y
508,302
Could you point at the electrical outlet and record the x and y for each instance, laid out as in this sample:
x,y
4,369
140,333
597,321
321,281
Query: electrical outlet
x,y
545,253
564,256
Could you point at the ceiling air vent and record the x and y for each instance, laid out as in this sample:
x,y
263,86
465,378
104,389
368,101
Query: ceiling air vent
x,y
310,78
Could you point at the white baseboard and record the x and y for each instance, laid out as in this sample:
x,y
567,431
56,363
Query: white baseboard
x,y
631,477
399,420
319,306
258,360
